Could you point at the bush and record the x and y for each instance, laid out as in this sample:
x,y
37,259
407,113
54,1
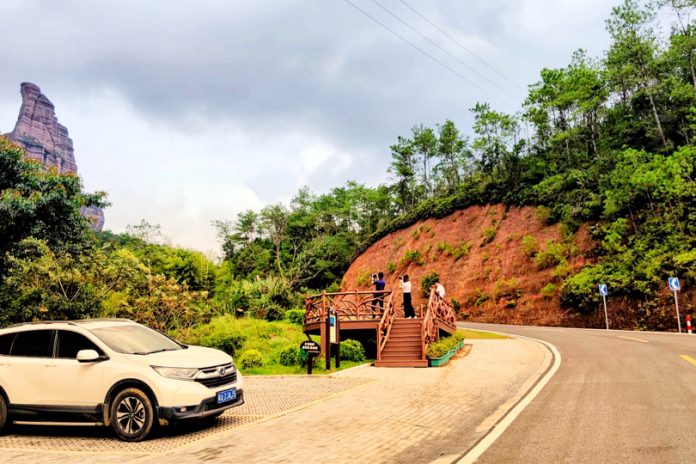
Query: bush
x,y
412,257
428,281
251,358
461,251
352,350
290,356
489,235
530,246
363,278
507,288
441,347
415,234
296,316
481,297
549,291
563,270
543,214
552,256
444,248
391,267
456,305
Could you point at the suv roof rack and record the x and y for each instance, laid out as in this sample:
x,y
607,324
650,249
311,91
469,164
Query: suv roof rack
x,y
41,323
102,319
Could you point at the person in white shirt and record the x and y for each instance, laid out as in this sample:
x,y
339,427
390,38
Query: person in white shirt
x,y
440,290
405,285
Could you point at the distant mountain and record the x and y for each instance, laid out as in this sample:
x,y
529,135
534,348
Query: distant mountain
x,y
44,139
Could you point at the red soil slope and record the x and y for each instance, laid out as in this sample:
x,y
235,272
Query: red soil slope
x,y
484,271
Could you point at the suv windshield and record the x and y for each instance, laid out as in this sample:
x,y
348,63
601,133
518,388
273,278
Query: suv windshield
x,y
135,339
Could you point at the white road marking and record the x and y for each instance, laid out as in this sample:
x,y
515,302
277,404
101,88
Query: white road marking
x,y
498,430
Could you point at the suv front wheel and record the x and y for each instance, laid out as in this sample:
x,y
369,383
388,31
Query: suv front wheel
x,y
132,415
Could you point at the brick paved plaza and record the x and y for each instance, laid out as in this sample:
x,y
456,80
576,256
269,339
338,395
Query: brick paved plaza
x,y
363,415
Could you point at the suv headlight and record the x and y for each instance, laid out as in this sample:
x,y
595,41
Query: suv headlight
x,y
176,373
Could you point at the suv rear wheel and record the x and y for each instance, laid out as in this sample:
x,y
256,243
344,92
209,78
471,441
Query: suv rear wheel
x,y
132,415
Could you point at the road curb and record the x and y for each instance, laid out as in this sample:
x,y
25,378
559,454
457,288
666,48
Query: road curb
x,y
485,442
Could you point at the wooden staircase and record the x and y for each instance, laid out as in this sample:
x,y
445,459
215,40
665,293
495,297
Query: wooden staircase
x,y
404,346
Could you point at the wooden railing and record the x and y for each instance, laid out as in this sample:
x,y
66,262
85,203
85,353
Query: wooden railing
x,y
385,325
349,306
439,310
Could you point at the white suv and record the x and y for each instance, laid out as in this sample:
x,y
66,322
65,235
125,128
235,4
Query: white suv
x,y
111,372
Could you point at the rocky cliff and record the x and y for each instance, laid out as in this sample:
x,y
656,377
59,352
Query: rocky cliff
x,y
46,140
484,258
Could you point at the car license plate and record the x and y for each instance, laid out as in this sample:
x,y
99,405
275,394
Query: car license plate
x,y
227,395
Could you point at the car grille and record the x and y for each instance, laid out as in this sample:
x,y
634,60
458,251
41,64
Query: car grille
x,y
211,378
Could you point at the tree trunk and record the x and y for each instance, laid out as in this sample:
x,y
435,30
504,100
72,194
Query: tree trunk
x,y
652,102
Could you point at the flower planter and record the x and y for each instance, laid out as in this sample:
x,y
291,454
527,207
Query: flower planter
x,y
439,362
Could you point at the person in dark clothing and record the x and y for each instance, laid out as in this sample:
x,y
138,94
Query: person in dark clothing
x,y
378,280
405,285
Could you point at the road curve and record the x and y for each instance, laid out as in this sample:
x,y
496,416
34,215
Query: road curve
x,y
618,396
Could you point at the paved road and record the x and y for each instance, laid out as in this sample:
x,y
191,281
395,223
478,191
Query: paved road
x,y
612,400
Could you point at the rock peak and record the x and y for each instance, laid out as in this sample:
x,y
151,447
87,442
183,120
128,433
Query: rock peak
x,y
44,139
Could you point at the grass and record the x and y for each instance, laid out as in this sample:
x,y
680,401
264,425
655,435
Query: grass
x,y
237,335
319,368
475,335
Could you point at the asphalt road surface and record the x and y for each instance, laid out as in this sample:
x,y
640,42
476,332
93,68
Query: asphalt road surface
x,y
613,399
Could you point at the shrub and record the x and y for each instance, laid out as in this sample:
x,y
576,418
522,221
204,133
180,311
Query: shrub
x,y
415,234
551,256
251,358
507,288
481,297
412,257
427,249
484,257
296,316
352,350
530,246
441,347
391,267
461,251
489,235
563,270
363,278
398,242
456,305
549,291
543,214
444,248
428,281
290,356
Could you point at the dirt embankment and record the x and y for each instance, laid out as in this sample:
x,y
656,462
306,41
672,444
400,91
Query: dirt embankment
x,y
482,259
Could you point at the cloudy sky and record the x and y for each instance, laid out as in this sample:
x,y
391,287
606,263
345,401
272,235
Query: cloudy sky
x,y
186,112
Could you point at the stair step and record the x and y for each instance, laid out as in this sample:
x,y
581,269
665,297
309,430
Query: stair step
x,y
402,358
402,354
418,363
404,343
404,338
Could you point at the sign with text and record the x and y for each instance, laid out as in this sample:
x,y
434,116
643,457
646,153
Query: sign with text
x,y
310,347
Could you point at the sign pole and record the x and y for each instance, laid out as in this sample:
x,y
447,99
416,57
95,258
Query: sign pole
x,y
676,303
606,315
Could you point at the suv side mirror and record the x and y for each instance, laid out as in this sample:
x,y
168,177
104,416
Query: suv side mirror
x,y
88,356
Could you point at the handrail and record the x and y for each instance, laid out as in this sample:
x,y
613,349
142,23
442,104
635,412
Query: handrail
x,y
384,328
427,325
439,310
349,306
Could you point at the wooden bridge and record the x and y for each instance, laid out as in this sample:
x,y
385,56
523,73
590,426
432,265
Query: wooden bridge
x,y
401,342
